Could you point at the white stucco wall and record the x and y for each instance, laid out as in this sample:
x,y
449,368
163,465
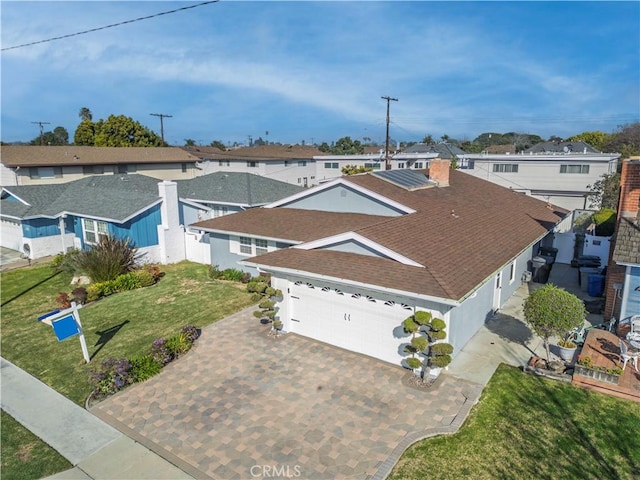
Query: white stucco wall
x,y
197,248
52,245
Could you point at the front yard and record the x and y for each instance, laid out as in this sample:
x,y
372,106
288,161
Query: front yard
x,y
529,427
121,325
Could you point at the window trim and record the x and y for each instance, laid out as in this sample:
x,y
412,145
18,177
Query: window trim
x,y
250,246
95,230
505,168
512,272
584,168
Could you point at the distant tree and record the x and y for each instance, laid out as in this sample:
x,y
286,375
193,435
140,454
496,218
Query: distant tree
x,y
625,141
122,131
488,138
346,146
354,169
324,147
189,142
554,138
85,134
471,147
604,193
59,136
259,142
428,139
219,145
85,114
596,139
445,138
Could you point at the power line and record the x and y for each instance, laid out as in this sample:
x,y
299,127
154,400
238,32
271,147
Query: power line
x,y
387,161
109,26
41,124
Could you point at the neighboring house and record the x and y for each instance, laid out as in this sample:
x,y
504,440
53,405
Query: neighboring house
x,y
355,256
53,218
556,172
36,165
288,163
623,272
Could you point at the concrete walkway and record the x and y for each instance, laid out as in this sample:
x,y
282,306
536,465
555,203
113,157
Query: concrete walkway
x,y
97,450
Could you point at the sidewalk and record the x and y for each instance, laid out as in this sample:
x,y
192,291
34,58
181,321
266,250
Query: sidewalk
x,y
97,450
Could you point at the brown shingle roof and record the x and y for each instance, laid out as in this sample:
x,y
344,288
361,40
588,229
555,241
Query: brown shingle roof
x,y
462,234
263,152
37,156
290,223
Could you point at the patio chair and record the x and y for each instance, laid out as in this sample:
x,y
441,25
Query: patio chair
x,y
635,324
625,356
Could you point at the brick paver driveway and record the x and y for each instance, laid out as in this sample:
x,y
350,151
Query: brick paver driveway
x,y
241,404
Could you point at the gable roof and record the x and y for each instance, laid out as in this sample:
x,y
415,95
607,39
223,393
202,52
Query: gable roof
x,y
289,224
263,152
109,197
237,188
39,156
462,235
562,147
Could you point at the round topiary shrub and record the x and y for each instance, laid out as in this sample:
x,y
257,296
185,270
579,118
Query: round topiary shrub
x,y
440,361
438,324
438,349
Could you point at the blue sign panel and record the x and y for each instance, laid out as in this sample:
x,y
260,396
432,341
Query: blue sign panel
x,y
46,315
65,327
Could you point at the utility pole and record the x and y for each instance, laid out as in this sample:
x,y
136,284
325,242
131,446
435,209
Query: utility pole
x,y
387,160
41,135
161,115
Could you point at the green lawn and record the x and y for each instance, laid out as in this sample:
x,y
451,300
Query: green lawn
x,y
126,322
529,427
25,456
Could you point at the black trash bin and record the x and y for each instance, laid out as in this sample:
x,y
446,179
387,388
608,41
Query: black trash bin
x,y
541,269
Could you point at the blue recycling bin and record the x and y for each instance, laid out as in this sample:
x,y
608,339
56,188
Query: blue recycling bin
x,y
596,285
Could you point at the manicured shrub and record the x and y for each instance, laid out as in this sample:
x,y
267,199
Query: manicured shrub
x,y
441,349
266,304
106,260
269,291
440,361
127,281
144,367
145,277
414,362
94,292
80,295
438,324
257,286
112,375
419,343
422,318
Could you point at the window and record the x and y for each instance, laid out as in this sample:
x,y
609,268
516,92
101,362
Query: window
x,y
261,246
401,165
126,169
418,165
302,163
93,170
220,211
505,168
253,246
299,180
45,172
252,163
466,164
245,245
574,168
94,230
331,165
286,163
184,168
512,272
372,166
223,163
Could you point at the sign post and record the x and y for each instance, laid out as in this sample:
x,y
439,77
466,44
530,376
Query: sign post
x,y
66,324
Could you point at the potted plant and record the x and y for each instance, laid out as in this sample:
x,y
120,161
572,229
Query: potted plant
x,y
567,350
551,311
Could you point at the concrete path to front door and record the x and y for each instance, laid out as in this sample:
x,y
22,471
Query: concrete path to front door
x,y
243,404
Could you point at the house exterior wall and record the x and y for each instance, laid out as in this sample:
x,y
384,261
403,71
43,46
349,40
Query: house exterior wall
x,y
7,177
190,214
542,178
222,256
293,171
141,229
50,245
340,198
161,171
472,314
352,247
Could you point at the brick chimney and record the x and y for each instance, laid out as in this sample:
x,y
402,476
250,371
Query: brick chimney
x,y
630,188
439,171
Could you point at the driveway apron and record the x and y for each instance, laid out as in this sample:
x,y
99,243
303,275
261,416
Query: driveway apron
x,y
242,404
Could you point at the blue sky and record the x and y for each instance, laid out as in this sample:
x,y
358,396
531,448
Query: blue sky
x,y
315,71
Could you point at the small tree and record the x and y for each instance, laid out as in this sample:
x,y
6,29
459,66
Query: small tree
x,y
552,311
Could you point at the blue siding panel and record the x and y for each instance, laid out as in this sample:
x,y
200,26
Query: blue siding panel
x,y
40,227
142,229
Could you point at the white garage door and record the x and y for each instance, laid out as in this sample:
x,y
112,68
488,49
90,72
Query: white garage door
x,y
11,234
358,323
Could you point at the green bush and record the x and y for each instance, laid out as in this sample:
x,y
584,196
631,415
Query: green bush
x,y
414,362
422,317
145,277
178,344
233,275
440,361
605,220
267,304
214,272
441,349
437,335
144,367
270,291
419,343
94,292
409,325
438,324
257,286
128,281
66,262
